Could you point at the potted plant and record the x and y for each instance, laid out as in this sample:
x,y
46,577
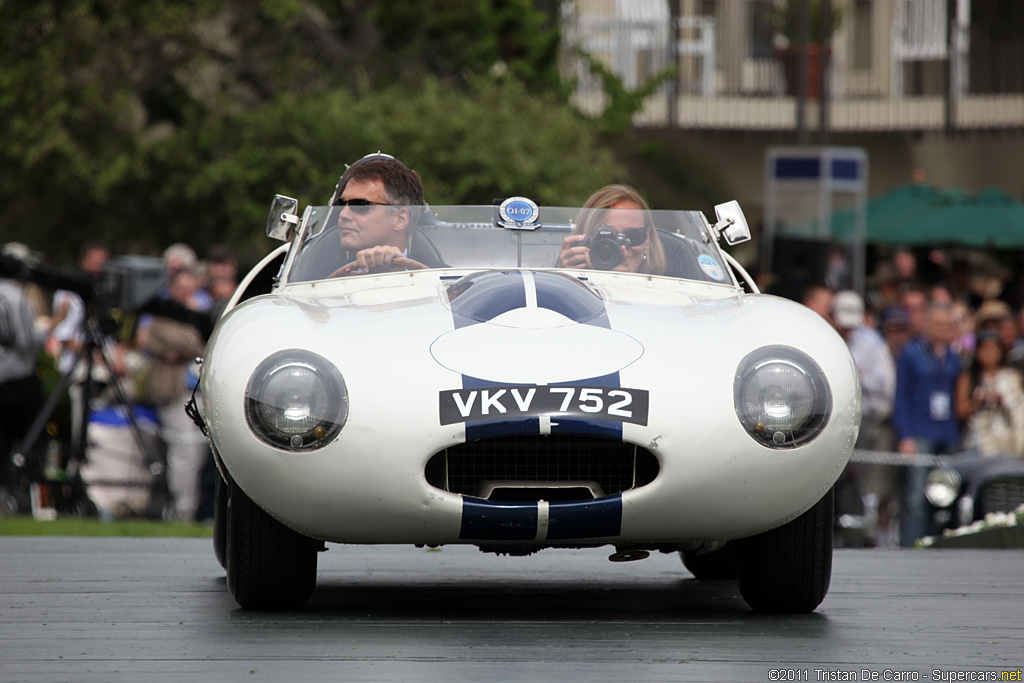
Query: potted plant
x,y
784,16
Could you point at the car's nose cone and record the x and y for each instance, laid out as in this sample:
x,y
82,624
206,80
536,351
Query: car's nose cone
x,y
497,317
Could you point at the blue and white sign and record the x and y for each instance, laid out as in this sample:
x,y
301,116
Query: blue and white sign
x,y
711,267
518,213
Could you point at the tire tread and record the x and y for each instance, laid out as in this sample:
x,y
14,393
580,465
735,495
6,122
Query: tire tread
x,y
270,567
788,569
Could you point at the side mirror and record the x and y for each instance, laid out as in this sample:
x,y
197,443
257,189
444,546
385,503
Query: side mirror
x,y
283,220
732,224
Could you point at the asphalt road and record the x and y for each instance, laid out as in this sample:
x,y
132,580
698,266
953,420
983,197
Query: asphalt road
x,y
148,610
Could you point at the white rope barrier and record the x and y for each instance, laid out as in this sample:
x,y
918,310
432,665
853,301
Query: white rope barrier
x,y
899,459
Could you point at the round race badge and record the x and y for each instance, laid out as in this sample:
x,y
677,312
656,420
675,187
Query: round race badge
x,y
710,267
518,212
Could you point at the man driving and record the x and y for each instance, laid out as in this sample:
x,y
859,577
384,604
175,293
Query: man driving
x,y
375,222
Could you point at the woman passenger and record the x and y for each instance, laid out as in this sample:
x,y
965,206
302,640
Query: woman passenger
x,y
622,209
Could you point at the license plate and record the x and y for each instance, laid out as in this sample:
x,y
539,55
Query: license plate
x,y
511,402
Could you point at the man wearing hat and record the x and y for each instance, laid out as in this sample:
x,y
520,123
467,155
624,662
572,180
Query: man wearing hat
x,y
991,313
875,366
877,372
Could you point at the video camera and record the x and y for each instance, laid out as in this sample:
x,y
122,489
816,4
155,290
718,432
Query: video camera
x,y
125,283
129,282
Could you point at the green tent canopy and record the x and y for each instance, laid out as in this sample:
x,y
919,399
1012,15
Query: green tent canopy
x,y
921,215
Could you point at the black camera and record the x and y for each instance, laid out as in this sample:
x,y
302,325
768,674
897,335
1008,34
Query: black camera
x,y
605,247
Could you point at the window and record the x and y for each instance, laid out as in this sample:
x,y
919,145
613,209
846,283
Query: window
x,y
762,34
861,43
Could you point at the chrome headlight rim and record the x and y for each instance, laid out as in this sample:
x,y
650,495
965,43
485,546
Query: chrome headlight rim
x,y
332,414
942,487
816,401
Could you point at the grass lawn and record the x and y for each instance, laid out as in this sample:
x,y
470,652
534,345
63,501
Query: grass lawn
x,y
81,526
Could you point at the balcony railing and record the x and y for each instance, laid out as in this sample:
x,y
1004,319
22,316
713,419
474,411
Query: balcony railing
x,y
723,83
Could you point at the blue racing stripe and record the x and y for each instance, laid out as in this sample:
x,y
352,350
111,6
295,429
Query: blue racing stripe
x,y
567,295
484,520
479,298
599,518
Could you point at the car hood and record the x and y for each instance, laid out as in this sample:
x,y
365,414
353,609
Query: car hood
x,y
520,326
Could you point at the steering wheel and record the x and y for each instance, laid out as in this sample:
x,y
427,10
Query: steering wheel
x,y
399,263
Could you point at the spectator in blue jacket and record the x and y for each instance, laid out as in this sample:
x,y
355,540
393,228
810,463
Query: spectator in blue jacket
x,y
923,415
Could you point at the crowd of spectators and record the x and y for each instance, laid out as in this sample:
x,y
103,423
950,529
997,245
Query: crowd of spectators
x,y
151,358
940,358
940,362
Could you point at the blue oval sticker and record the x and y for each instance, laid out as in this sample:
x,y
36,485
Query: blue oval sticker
x,y
710,267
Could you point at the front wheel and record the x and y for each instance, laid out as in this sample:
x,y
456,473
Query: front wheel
x,y
788,569
220,520
269,566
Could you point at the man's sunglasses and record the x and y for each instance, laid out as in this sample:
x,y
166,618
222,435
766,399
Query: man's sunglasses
x,y
359,205
635,236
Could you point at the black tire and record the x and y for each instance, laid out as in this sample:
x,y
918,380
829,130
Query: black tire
x,y
270,567
788,569
220,520
717,565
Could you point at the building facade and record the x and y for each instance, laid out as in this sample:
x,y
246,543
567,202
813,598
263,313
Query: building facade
x,y
931,88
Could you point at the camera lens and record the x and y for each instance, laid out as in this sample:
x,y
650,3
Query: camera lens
x,y
605,254
606,248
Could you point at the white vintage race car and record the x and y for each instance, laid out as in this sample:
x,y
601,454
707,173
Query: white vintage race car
x,y
481,395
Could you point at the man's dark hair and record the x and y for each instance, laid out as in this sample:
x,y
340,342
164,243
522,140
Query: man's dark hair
x,y
402,185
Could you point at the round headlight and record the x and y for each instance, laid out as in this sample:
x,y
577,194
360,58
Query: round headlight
x,y
296,400
942,487
782,397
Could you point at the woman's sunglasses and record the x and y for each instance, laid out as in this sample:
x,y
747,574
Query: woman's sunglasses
x,y
635,236
359,205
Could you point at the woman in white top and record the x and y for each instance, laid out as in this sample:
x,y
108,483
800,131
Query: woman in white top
x,y
990,401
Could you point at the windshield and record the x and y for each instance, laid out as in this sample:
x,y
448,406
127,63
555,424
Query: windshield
x,y
668,243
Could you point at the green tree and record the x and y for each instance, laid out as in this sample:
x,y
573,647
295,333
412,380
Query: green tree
x,y
146,123
469,144
152,122
456,40
71,109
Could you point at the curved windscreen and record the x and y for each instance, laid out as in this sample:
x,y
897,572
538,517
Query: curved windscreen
x,y
668,243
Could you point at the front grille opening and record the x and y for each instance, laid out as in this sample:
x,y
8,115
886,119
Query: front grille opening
x,y
1002,494
549,467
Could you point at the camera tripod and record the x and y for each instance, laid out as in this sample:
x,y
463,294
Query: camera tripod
x,y
96,345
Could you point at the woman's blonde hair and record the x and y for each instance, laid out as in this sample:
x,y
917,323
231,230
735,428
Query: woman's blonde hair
x,y
607,197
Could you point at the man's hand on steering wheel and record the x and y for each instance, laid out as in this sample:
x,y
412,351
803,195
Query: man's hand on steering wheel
x,y
378,259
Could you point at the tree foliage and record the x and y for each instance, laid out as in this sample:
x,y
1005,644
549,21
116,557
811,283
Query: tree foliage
x,y
623,102
468,144
458,39
147,123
